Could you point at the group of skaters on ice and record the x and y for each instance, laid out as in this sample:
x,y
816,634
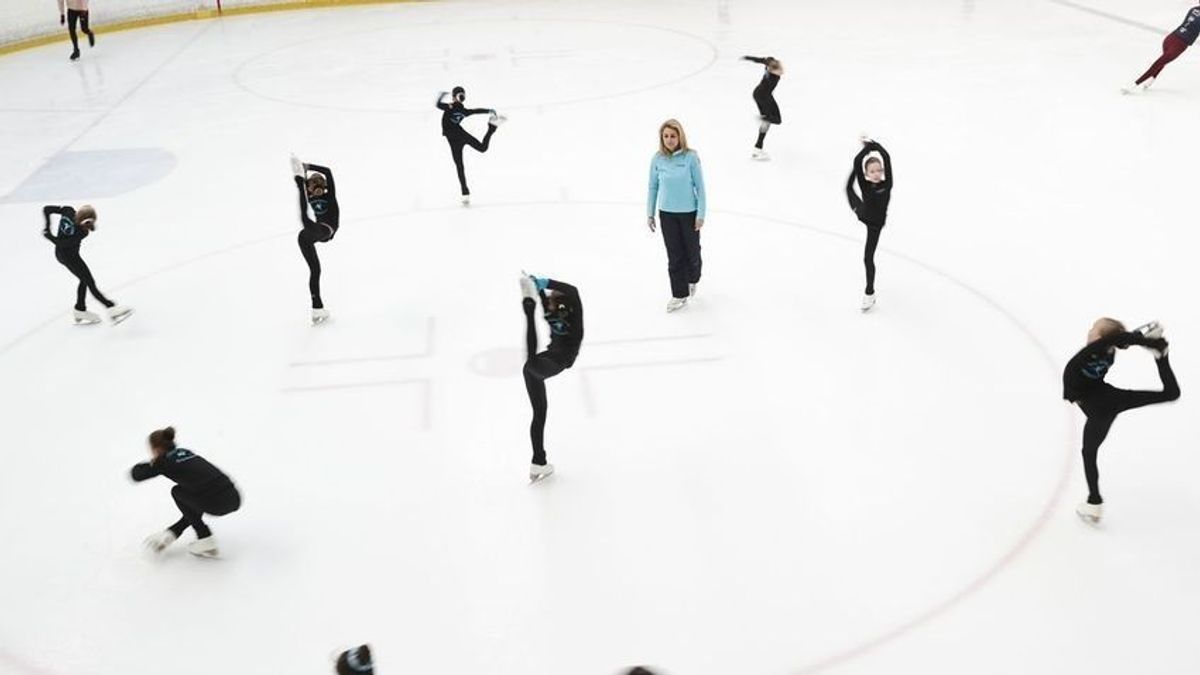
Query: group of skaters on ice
x,y
676,205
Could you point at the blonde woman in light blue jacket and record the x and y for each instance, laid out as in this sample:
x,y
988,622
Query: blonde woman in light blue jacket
x,y
677,192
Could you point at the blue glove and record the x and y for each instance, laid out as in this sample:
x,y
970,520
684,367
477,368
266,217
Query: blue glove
x,y
542,283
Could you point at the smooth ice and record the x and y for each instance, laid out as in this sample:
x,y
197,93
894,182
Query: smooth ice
x,y
768,482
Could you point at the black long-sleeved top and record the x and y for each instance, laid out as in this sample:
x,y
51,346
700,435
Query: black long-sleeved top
x,y
1085,372
69,235
187,469
454,113
1190,28
873,207
325,207
767,85
566,324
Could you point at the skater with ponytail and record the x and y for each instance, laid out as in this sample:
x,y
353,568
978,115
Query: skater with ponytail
x,y
872,171
1084,385
764,98
563,311
73,227
316,188
200,489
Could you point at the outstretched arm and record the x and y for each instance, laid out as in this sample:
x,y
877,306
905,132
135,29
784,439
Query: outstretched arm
x,y
476,111
143,471
756,59
324,171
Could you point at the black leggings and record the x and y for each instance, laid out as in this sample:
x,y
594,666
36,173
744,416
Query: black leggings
x,y
309,237
538,369
73,262
682,239
74,15
873,233
193,506
461,139
1102,408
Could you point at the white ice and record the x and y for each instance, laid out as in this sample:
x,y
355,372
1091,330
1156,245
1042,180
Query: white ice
x,y
768,482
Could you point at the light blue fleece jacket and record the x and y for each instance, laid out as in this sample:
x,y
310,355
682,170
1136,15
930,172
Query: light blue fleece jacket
x,y
676,184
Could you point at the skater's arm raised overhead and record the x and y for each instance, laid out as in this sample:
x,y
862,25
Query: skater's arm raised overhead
x,y
441,101
144,471
887,161
328,173
563,287
698,184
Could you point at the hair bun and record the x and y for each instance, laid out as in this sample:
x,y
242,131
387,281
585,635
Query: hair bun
x,y
169,433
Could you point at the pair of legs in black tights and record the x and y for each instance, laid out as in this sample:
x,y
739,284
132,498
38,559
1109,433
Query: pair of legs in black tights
x,y
193,507
309,237
81,17
539,367
1102,408
462,139
73,262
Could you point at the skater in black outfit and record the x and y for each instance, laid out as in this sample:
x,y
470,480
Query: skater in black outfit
x,y
356,661
873,173
1084,385
453,114
764,97
316,188
200,488
73,227
563,311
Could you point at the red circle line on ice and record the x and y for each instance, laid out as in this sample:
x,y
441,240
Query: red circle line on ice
x,y
240,80
819,665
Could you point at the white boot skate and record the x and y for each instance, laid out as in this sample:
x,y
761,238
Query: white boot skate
x,y
1090,513
1137,88
204,548
760,155
540,472
86,318
868,302
118,314
496,119
466,200
320,316
676,304
692,290
1151,331
528,287
159,541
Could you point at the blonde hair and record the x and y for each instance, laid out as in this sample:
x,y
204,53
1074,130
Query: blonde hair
x,y
672,124
1108,326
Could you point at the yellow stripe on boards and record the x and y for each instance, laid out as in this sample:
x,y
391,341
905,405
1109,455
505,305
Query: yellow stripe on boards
x,y
198,15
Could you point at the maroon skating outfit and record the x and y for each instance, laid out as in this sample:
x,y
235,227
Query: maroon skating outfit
x,y
1176,43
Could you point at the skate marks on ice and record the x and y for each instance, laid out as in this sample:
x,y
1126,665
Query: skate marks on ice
x,y
336,374
419,49
1112,17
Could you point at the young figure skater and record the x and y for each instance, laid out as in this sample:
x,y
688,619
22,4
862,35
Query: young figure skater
x,y
1084,385
1173,46
563,311
453,114
873,173
70,13
356,661
764,96
677,190
316,188
200,488
73,227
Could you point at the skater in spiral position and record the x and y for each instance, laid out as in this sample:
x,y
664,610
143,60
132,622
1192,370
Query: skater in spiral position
x,y
563,311
453,114
316,188
1084,385
73,227
1173,46
200,488
764,97
872,172
72,12
677,191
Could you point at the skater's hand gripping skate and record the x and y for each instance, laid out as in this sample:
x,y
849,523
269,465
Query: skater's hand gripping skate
x,y
297,167
650,223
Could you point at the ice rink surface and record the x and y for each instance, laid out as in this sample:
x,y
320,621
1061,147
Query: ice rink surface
x,y
768,482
